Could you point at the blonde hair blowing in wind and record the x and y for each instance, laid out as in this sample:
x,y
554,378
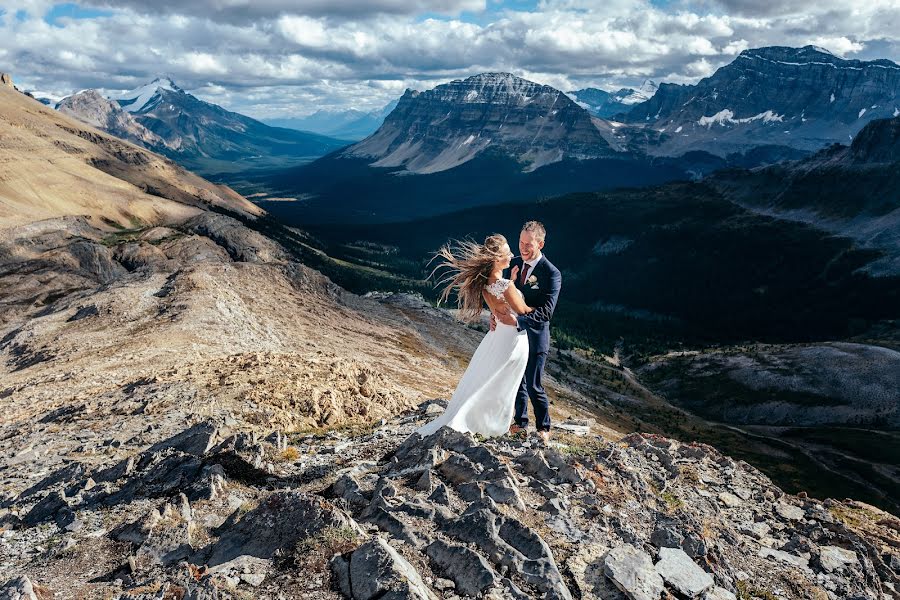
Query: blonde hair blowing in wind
x,y
466,268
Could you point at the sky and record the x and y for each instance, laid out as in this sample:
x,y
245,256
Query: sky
x,y
279,58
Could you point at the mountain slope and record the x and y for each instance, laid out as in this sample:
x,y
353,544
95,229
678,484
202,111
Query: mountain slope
x,y
852,191
207,138
804,98
445,127
90,107
54,166
342,189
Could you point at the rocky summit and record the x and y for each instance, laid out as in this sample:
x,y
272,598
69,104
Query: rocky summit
x,y
90,107
217,511
804,98
449,125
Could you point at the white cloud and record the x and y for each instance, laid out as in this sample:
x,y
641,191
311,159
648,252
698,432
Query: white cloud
x,y
837,45
278,58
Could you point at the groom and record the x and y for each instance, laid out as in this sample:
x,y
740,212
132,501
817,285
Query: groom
x,y
540,282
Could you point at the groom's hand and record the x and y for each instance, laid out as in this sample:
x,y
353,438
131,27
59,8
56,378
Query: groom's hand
x,y
505,318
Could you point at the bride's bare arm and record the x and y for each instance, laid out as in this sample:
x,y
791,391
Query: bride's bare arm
x,y
499,309
516,302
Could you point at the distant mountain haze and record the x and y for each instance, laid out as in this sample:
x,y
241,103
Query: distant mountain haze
x,y
349,124
601,103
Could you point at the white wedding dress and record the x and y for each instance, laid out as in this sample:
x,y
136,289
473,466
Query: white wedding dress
x,y
484,400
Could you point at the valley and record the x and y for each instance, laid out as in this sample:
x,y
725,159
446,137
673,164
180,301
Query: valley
x,y
654,275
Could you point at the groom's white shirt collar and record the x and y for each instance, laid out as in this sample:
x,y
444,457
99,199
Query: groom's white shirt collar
x,y
531,263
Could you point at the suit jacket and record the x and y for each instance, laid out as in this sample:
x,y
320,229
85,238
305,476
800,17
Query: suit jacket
x,y
542,296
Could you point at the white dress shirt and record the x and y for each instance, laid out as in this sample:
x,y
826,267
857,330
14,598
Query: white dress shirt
x,y
531,264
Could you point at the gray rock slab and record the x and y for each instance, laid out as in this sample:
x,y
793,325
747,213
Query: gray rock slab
x,y
682,573
18,588
788,511
833,558
632,571
730,500
785,557
717,593
379,571
196,440
469,570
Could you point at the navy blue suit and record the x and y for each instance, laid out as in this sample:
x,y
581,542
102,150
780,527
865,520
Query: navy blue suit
x,y
542,295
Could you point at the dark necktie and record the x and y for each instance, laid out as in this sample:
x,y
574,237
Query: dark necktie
x,y
525,267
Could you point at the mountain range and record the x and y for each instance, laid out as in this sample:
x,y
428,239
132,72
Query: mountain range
x,y
770,104
505,137
199,135
804,98
349,124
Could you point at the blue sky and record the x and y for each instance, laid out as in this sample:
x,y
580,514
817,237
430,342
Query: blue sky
x,y
58,13
280,58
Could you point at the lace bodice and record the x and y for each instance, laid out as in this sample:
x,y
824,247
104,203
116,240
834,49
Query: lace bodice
x,y
497,288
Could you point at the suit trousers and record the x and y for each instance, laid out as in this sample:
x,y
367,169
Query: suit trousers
x,y
532,388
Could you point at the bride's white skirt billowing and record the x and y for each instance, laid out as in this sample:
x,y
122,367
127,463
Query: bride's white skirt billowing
x,y
484,400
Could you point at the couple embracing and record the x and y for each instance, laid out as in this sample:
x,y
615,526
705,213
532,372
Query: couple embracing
x,y
506,370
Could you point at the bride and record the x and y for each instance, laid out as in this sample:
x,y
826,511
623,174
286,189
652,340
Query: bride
x,y
484,399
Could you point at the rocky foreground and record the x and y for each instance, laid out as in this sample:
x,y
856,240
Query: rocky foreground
x,y
216,512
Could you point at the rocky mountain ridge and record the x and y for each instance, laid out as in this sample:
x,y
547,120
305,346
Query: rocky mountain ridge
x,y
804,98
92,108
447,126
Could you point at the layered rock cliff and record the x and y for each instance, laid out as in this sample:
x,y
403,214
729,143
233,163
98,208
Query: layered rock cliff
x,y
449,125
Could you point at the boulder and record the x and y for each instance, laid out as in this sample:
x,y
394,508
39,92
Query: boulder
x,y
682,573
196,440
469,570
18,588
788,511
379,571
718,593
631,570
278,523
833,558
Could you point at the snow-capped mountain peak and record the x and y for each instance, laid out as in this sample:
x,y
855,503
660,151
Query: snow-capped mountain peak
x,y
822,50
138,98
635,96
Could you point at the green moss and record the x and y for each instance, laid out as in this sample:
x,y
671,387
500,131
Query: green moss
x,y
672,502
748,591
